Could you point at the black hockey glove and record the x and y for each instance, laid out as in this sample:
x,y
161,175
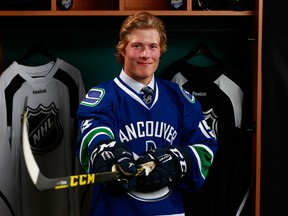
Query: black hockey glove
x,y
167,165
107,157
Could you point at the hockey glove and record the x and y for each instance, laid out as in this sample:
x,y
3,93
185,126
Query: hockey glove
x,y
168,165
111,156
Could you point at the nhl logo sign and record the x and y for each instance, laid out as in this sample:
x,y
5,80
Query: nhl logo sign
x,y
45,131
212,120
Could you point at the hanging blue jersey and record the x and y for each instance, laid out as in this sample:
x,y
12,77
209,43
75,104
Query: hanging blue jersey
x,y
113,110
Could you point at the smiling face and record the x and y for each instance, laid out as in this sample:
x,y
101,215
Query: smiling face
x,y
142,54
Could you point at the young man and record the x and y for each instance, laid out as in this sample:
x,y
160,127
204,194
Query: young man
x,y
161,128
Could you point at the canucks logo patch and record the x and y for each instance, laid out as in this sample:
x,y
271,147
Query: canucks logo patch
x,y
187,95
93,97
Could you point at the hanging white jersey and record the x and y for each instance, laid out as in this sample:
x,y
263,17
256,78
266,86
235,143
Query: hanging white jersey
x,y
7,192
50,94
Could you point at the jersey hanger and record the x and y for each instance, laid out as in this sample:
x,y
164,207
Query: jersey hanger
x,y
36,49
201,49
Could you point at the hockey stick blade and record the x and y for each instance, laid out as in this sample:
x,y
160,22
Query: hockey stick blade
x,y
42,183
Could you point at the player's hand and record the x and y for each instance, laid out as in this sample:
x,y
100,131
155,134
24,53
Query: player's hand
x,y
168,165
115,155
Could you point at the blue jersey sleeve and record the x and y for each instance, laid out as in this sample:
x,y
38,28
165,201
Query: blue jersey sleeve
x,y
198,139
96,121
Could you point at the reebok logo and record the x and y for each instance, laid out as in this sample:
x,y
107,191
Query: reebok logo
x,y
41,91
201,94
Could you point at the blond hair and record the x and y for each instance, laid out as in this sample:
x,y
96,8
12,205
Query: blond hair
x,y
142,20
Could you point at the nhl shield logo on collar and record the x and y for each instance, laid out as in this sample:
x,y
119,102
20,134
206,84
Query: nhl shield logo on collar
x,y
176,4
148,92
147,99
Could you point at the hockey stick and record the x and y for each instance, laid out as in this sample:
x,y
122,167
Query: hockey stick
x,y
43,183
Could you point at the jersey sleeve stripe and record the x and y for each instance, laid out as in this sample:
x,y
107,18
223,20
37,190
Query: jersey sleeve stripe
x,y
89,138
204,157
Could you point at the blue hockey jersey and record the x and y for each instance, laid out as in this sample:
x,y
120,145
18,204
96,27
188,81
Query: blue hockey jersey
x,y
114,110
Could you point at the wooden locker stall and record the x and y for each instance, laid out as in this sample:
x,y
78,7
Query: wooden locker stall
x,y
47,20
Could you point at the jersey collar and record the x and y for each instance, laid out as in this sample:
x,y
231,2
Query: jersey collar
x,y
135,85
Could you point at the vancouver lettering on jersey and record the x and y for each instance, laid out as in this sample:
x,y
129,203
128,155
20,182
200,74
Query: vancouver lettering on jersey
x,y
148,129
